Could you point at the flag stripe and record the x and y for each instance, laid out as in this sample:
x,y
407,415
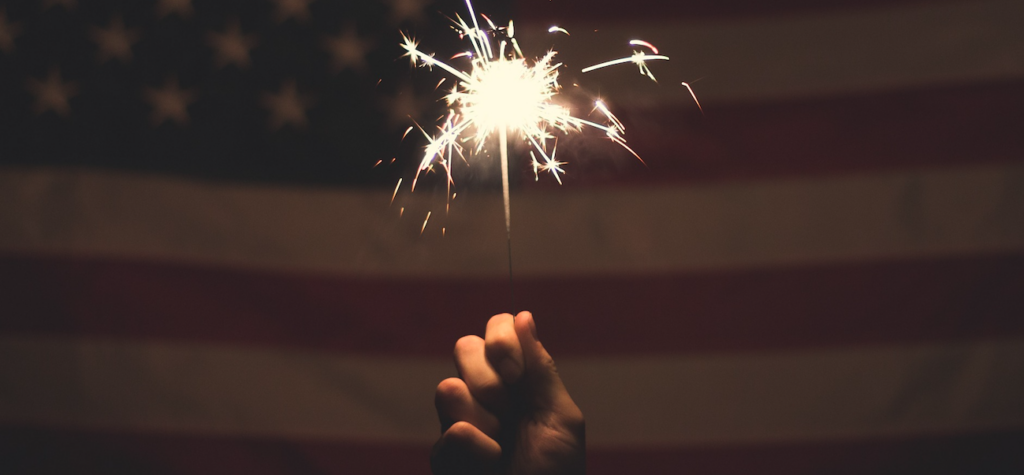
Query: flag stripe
x,y
31,449
894,130
869,303
915,214
994,452
598,10
68,451
127,385
795,56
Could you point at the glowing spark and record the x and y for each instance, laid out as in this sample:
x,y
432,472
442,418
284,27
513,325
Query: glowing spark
x,y
378,163
393,195
694,96
638,58
498,91
644,43
425,223
558,29
502,91
549,165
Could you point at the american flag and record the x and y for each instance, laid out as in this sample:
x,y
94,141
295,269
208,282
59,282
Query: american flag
x,y
202,271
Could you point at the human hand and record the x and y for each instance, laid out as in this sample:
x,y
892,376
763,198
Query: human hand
x,y
508,412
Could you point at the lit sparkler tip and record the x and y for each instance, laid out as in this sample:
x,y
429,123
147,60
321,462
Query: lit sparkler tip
x,y
500,90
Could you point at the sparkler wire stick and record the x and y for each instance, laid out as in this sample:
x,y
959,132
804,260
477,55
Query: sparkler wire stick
x,y
501,91
503,143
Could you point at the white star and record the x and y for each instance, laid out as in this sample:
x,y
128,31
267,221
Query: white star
x,y
286,107
53,94
8,31
232,47
68,4
182,7
347,50
403,10
169,103
114,42
298,9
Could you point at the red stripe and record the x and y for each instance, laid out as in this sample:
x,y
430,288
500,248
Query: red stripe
x,y
893,302
872,132
33,450
992,453
25,450
578,11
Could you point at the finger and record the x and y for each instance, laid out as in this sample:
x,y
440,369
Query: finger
x,y
464,450
454,403
543,384
484,383
502,348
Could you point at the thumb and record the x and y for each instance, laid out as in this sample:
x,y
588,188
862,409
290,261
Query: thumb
x,y
542,384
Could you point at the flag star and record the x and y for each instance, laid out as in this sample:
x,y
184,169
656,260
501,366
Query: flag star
x,y
405,106
114,42
167,7
407,10
169,103
347,50
232,47
67,4
52,94
298,9
8,32
286,107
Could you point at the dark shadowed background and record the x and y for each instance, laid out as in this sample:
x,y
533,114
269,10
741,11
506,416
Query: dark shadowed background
x,y
205,267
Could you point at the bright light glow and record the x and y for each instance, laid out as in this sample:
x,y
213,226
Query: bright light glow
x,y
497,89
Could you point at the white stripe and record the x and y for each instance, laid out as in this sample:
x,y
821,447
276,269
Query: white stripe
x,y
897,215
775,57
670,400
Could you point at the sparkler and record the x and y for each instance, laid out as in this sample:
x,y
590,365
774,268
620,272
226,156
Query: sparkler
x,y
500,92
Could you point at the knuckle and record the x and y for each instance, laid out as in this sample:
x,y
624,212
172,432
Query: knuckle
x,y
466,345
500,345
450,391
574,419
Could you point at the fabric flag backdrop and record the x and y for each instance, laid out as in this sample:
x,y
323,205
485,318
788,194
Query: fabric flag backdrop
x,y
201,271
